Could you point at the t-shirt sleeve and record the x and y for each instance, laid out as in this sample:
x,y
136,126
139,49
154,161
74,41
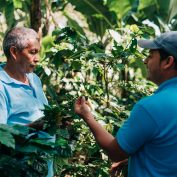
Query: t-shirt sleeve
x,y
137,130
3,110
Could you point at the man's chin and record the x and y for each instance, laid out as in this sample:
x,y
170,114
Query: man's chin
x,y
30,70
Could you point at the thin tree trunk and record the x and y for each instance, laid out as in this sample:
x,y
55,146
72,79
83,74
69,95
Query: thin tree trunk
x,y
45,29
36,16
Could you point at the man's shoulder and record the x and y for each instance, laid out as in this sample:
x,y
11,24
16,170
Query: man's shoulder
x,y
147,100
159,97
158,103
150,102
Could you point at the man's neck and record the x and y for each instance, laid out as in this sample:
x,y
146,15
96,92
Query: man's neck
x,y
14,73
167,76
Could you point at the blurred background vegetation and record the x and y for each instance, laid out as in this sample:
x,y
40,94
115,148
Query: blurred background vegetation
x,y
88,47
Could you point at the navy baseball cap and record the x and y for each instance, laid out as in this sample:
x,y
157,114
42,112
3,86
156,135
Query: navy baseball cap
x,y
166,41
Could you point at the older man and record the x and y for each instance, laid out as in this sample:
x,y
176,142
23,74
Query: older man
x,y
149,136
21,94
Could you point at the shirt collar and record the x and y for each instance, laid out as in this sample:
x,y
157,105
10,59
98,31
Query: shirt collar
x,y
6,78
168,83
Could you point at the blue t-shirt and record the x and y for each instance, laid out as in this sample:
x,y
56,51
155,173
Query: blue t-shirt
x,y
150,134
20,103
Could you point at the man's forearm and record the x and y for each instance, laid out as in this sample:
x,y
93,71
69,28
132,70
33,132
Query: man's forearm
x,y
105,139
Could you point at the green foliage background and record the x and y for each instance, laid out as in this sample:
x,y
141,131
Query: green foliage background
x,y
97,58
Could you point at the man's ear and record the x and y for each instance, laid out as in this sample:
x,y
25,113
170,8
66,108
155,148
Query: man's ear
x,y
13,52
169,62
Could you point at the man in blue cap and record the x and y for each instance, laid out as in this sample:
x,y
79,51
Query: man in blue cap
x,y
149,136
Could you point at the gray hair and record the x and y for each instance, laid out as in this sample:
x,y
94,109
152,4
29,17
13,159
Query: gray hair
x,y
18,37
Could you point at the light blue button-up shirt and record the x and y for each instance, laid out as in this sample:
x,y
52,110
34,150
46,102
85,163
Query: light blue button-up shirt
x,y
23,104
20,103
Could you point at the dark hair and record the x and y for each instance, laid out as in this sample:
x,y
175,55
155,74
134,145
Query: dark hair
x,y
164,55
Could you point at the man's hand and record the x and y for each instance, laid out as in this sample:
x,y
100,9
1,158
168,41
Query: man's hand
x,y
117,167
103,138
38,124
82,108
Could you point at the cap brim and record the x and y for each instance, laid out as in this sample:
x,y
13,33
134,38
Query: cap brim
x,y
148,44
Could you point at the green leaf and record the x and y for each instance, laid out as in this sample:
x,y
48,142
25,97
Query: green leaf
x,y
65,34
47,44
17,4
163,11
146,4
98,16
121,8
138,63
51,91
120,66
9,14
133,45
96,71
160,11
61,142
74,24
7,139
172,10
96,47
32,148
21,130
58,59
9,129
42,141
3,5
76,65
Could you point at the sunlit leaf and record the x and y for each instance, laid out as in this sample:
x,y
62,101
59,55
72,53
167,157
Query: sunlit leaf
x,y
17,3
121,8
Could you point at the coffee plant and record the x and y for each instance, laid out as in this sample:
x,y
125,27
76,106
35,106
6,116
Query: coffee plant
x,y
112,80
111,77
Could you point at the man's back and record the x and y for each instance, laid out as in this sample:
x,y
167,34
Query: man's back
x,y
150,134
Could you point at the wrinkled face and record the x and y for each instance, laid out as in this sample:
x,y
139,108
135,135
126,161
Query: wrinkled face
x,y
28,58
154,67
